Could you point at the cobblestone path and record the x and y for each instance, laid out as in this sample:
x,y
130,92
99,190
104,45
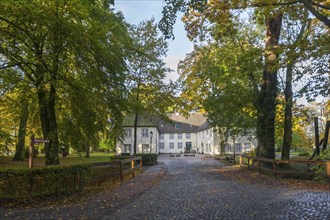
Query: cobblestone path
x,y
194,190
190,188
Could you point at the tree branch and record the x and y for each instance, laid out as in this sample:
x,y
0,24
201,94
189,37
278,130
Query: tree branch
x,y
319,5
317,14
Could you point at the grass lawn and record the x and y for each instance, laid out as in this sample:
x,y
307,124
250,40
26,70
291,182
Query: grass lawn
x,y
95,157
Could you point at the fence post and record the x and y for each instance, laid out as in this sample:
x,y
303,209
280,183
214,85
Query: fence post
x,y
31,152
274,168
133,169
248,163
141,164
328,170
240,161
121,171
258,166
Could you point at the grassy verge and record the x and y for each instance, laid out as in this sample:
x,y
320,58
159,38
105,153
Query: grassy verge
x,y
7,162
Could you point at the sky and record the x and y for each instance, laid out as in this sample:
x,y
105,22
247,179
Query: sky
x,y
137,10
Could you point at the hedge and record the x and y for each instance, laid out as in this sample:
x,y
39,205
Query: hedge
x,y
148,159
50,180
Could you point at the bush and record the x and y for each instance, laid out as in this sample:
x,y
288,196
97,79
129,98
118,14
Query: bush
x,y
51,180
325,155
148,159
303,154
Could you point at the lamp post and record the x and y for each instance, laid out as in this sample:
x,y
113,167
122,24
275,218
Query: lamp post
x,y
151,133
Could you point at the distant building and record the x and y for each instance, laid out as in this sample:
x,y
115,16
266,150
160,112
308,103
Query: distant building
x,y
182,134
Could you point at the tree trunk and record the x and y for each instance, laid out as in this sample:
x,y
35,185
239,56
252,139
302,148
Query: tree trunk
x,y
287,139
268,93
20,147
136,119
135,132
44,117
326,135
234,150
88,151
53,158
317,137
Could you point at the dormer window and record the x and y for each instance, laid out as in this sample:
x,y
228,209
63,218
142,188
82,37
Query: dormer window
x,y
177,125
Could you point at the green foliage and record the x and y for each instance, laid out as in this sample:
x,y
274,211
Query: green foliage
x,y
148,159
106,146
303,154
73,52
51,180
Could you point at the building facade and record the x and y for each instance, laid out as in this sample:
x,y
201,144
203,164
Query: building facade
x,y
192,134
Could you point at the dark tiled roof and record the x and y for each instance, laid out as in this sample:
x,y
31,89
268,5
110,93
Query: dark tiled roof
x,y
195,122
204,126
143,121
178,127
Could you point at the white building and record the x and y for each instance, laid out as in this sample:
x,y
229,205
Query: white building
x,y
183,134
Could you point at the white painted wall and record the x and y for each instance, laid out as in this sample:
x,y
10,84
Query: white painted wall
x,y
141,141
242,145
206,141
176,140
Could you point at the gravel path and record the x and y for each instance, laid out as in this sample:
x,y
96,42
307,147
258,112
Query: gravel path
x,y
189,188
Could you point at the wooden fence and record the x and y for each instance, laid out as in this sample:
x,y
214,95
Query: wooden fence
x,y
256,163
120,168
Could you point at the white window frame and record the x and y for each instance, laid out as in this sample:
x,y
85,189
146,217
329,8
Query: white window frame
x,y
171,145
180,145
161,137
128,132
171,136
145,148
127,148
188,135
144,132
179,136
161,145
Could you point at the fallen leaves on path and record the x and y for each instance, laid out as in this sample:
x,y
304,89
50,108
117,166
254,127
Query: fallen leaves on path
x,y
246,176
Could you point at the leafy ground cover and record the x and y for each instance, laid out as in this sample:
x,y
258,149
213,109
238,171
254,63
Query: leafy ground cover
x,y
245,176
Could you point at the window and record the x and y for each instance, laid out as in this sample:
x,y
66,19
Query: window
x,y
145,132
179,145
211,133
171,136
247,147
187,135
179,135
171,145
161,146
127,148
228,147
238,147
128,132
145,148
177,125
161,137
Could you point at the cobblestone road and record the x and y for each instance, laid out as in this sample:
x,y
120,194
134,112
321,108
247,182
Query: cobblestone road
x,y
191,189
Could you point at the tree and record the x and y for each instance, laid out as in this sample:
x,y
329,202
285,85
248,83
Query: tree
x,y
148,92
220,79
61,46
224,15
